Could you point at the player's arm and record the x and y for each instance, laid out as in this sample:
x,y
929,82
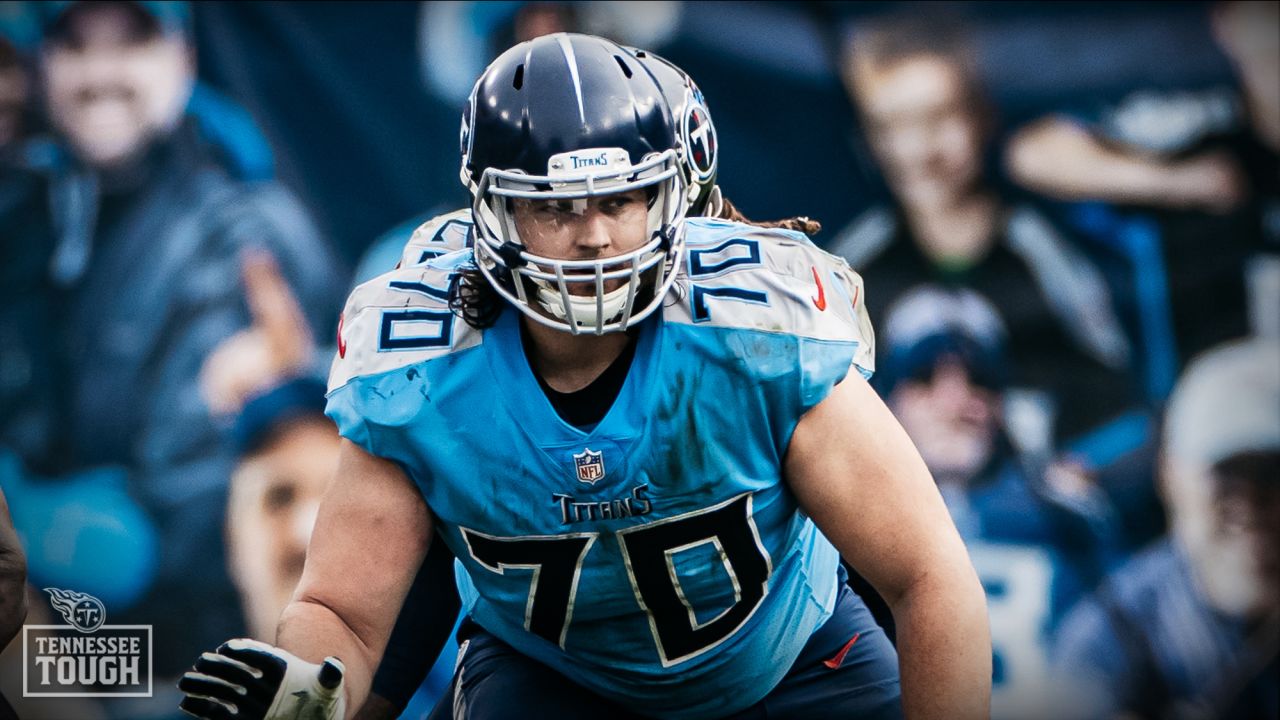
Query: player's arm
x,y
370,536
856,473
425,624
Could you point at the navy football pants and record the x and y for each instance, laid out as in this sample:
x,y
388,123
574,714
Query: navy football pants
x,y
495,682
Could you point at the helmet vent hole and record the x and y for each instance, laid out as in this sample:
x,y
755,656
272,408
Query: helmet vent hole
x,y
625,70
518,80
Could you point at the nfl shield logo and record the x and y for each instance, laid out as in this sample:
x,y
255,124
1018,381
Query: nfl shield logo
x,y
590,466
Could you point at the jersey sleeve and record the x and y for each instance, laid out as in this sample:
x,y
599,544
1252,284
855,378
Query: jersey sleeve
x,y
438,236
778,283
791,316
849,343
391,327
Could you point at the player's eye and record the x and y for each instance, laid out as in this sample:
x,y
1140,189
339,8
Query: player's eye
x,y
616,204
554,208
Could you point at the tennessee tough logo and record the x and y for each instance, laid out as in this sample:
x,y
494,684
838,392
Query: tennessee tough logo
x,y
83,611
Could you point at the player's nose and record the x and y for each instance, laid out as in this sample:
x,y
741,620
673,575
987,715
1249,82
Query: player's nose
x,y
595,235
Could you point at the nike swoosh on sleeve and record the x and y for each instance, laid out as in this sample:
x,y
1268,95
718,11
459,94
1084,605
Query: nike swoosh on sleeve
x,y
819,302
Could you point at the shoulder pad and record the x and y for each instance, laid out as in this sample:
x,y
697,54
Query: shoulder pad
x,y
400,318
437,236
773,280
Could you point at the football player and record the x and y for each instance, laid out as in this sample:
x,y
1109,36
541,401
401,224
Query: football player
x,y
421,633
647,441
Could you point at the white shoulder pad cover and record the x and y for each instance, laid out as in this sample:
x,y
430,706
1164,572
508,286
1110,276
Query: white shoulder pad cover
x,y
747,277
437,236
399,319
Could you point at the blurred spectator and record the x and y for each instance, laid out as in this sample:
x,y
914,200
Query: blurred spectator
x,y
1191,627
152,229
1037,543
1203,164
15,80
83,530
289,454
26,243
458,39
929,126
13,578
13,598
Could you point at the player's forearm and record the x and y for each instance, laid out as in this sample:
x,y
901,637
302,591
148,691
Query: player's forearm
x,y
944,647
313,631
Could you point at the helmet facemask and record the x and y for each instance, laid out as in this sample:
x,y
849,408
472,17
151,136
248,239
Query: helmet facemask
x,y
542,287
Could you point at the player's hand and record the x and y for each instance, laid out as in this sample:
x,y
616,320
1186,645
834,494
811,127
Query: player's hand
x,y
251,680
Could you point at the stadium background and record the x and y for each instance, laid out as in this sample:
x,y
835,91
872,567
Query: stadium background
x,y
354,107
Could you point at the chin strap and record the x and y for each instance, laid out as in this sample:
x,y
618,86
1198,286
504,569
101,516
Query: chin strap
x,y
584,307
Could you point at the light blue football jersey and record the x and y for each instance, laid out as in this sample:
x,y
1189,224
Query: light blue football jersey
x,y
659,559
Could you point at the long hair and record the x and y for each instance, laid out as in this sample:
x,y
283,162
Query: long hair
x,y
473,299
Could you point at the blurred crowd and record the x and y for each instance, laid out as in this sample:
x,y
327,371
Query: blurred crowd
x,y
1077,319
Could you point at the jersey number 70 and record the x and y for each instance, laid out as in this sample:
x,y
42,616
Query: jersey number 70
x,y
647,552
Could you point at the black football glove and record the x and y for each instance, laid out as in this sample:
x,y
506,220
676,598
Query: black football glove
x,y
251,680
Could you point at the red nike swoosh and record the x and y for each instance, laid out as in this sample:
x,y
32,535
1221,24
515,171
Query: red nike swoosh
x,y
819,302
838,660
342,345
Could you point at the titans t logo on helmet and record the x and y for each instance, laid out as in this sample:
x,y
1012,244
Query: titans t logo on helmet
x,y
699,140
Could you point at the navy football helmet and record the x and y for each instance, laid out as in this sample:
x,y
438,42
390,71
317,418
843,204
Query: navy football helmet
x,y
570,116
698,146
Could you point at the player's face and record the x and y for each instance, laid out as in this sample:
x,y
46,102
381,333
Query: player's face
x,y
951,420
1224,519
112,82
274,499
587,229
923,127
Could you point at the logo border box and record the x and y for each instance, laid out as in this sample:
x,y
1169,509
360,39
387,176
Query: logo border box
x,y
150,664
